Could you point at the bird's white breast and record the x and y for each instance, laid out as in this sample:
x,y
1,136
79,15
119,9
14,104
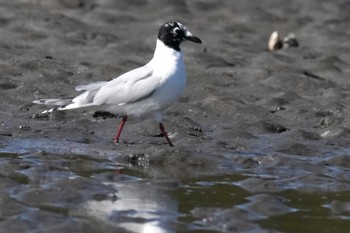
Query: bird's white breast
x,y
169,65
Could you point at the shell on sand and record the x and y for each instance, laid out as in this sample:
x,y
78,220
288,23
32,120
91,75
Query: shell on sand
x,y
275,42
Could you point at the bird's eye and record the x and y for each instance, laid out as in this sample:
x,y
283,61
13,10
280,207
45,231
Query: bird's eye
x,y
177,30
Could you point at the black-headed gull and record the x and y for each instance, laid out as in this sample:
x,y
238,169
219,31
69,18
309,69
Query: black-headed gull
x,y
144,91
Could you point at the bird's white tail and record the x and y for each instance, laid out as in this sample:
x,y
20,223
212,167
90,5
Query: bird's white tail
x,y
53,102
83,100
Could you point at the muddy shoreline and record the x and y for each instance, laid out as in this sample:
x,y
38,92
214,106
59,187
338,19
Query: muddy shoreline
x,y
275,121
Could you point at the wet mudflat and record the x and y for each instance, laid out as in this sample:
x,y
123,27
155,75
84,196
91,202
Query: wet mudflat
x,y
261,138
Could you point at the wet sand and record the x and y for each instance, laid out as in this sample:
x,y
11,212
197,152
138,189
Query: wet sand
x,y
275,121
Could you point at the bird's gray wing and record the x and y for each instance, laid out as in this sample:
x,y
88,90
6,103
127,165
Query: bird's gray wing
x,y
132,86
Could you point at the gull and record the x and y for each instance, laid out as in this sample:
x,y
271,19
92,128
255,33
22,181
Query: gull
x,y
144,91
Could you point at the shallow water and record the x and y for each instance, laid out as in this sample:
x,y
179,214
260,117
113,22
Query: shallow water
x,y
60,192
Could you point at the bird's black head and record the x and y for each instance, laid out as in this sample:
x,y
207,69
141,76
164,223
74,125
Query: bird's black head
x,y
173,33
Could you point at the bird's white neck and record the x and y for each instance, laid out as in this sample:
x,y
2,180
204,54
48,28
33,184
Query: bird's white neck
x,y
165,54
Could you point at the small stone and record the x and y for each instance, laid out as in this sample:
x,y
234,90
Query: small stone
x,y
290,41
24,127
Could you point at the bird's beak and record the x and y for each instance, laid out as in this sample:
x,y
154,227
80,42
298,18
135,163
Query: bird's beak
x,y
193,39
190,37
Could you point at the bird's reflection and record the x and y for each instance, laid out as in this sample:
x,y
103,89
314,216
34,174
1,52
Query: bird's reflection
x,y
139,206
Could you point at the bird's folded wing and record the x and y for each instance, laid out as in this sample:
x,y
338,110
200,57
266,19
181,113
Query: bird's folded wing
x,y
130,87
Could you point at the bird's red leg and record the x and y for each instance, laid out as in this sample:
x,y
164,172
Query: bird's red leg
x,y
161,127
116,140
